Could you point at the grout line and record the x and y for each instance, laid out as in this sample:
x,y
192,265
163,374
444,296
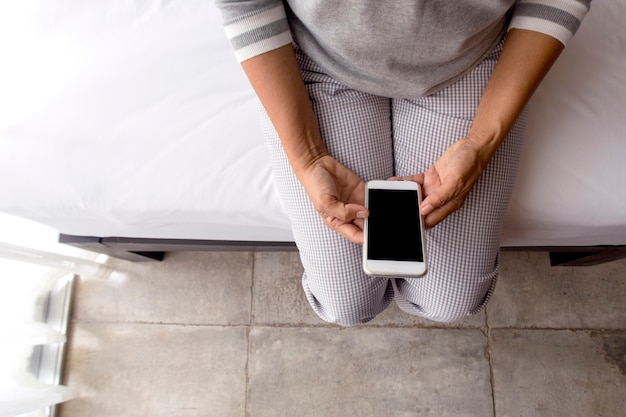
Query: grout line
x,y
489,361
321,325
562,329
252,303
163,323
246,385
246,404
332,326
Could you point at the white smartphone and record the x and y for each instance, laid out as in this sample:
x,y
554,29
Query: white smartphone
x,y
393,243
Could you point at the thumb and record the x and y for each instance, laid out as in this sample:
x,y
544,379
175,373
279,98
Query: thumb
x,y
437,199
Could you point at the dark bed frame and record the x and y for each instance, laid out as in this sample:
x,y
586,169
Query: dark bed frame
x,y
139,249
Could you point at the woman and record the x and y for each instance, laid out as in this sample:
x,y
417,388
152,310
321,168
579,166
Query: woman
x,y
361,90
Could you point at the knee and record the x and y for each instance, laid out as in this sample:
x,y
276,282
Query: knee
x,y
345,313
445,304
349,308
452,315
440,311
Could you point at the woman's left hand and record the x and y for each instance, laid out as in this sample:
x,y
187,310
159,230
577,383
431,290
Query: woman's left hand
x,y
448,181
526,57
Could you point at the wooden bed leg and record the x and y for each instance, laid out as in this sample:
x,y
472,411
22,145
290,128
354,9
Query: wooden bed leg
x,y
96,244
588,258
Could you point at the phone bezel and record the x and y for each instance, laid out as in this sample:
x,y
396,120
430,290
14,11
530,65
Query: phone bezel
x,y
375,267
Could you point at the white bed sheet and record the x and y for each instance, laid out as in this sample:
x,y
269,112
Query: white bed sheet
x,y
132,119
146,126
571,188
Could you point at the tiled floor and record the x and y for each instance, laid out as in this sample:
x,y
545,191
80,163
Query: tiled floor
x,y
230,334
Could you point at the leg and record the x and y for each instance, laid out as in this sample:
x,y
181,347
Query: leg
x,y
463,250
356,128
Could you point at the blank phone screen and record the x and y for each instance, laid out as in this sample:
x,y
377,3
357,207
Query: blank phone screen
x,y
394,226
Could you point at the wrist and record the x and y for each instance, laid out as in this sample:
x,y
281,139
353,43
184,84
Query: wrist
x,y
306,158
486,145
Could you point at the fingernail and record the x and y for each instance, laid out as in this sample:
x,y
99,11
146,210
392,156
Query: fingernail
x,y
426,209
361,214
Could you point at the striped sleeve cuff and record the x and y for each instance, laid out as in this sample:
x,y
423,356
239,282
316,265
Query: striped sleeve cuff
x,y
557,18
259,32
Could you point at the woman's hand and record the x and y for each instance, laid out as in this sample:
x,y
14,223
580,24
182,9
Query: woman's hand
x,y
338,195
526,58
449,180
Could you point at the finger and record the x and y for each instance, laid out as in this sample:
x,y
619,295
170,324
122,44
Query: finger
x,y
360,212
342,211
418,178
348,222
437,199
350,231
436,216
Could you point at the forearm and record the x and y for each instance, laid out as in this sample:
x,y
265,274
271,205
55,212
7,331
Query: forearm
x,y
526,58
275,77
336,192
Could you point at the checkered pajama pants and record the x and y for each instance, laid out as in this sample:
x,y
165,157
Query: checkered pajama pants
x,y
378,137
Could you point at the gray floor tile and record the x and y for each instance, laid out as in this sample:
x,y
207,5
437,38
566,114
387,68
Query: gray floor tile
x,y
279,298
278,295
186,288
369,371
126,356
530,293
156,370
555,373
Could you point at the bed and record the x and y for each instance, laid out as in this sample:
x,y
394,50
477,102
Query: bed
x,y
129,127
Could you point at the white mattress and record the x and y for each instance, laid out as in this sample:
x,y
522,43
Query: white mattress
x,y
571,188
132,119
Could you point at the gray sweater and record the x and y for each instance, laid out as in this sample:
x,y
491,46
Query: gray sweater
x,y
403,48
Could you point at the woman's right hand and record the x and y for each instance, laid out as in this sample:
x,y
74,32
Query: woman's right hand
x,y
338,195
